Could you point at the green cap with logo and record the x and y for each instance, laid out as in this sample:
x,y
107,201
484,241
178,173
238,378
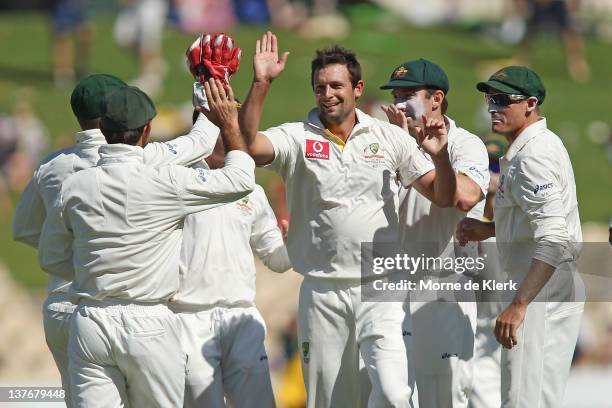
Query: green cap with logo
x,y
87,100
127,108
515,80
418,73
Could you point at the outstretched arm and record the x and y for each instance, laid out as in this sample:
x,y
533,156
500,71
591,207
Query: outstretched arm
x,y
267,66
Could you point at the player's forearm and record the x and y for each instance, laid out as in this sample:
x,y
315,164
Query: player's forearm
x,y
468,193
250,112
445,182
539,273
231,137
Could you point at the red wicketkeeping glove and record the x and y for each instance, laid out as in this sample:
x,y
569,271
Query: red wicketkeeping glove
x,y
213,56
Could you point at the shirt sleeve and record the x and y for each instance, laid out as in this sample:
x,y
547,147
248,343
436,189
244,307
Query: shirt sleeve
x,y
55,252
184,150
539,194
266,238
284,149
199,189
30,215
470,158
412,163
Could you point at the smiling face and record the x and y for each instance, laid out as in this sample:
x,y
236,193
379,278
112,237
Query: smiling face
x,y
334,93
509,116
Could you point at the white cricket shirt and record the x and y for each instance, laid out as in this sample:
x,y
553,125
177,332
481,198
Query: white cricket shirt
x,y
217,265
340,195
44,188
421,221
536,210
115,229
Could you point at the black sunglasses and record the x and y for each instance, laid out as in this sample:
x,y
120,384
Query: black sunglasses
x,y
502,100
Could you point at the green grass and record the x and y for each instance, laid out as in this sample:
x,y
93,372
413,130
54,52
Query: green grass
x,y
381,42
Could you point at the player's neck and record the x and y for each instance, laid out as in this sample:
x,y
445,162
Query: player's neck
x,y
343,129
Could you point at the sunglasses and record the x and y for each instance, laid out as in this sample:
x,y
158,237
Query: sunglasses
x,y
502,100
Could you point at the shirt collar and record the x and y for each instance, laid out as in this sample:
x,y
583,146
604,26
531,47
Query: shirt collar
x,y
364,121
526,135
452,129
120,153
90,136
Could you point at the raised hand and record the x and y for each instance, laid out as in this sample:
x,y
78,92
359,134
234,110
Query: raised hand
x,y
267,65
432,135
396,116
221,104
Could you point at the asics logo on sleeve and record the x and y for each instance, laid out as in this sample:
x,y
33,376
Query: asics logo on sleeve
x,y
171,147
201,174
316,149
541,187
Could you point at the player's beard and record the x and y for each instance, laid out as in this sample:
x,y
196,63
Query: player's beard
x,y
338,116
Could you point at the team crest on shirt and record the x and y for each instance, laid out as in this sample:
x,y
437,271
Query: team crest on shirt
x,y
374,154
244,206
317,149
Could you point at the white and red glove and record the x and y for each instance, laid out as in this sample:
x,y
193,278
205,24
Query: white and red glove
x,y
213,56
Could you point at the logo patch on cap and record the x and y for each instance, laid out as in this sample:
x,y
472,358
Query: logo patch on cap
x,y
499,75
316,149
400,73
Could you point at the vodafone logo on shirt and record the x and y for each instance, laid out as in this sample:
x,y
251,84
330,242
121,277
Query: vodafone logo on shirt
x,y
316,149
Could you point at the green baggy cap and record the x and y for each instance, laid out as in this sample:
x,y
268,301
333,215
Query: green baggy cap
x,y
127,108
418,73
515,80
87,100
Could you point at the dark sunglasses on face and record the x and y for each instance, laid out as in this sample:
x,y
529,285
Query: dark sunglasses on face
x,y
502,100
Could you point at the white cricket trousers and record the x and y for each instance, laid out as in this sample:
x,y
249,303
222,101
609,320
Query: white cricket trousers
x,y
443,349
487,355
534,372
125,354
57,312
226,357
334,327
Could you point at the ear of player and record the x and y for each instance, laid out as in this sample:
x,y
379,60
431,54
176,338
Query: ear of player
x,y
213,56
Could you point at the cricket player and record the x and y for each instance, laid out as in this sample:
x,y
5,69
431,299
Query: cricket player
x,y
339,166
223,332
537,228
443,331
115,232
43,190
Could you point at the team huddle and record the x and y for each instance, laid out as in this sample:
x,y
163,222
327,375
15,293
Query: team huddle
x,y
149,246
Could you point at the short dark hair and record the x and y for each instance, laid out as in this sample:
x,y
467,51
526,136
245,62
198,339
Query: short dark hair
x,y
129,137
430,92
337,55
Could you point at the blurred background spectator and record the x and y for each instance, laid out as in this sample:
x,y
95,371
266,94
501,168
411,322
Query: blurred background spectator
x,y
140,27
558,16
72,36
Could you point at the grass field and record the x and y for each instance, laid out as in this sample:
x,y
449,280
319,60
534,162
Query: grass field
x,y
381,42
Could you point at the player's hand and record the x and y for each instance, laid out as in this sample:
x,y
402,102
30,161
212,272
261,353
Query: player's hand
x,y
395,116
431,135
507,324
284,227
267,65
222,106
470,229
